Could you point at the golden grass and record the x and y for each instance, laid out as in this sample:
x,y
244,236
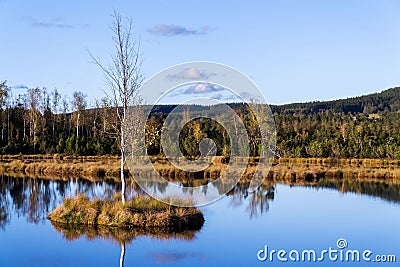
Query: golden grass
x,y
141,212
51,165
284,168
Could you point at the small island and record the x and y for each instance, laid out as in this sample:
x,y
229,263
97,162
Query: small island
x,y
141,212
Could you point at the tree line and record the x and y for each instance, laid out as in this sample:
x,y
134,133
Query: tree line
x,y
46,122
42,121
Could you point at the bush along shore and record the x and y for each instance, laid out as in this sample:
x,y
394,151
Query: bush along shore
x,y
141,212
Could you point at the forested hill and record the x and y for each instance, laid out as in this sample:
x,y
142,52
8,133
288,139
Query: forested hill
x,y
358,127
387,100
46,122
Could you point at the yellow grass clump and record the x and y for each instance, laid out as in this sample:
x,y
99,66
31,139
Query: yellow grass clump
x,y
140,212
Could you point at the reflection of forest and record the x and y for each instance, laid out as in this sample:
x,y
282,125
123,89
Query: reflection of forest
x,y
257,202
34,198
382,189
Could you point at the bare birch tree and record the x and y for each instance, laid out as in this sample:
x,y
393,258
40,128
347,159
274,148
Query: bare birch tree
x,y
123,76
56,97
34,99
4,95
79,103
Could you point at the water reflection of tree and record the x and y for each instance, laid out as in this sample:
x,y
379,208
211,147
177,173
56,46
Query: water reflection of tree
x,y
4,217
257,202
121,236
34,198
387,190
4,203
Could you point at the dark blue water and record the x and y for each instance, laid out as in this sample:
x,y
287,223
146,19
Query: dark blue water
x,y
280,216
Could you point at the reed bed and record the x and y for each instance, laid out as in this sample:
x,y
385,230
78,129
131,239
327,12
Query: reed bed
x,y
283,168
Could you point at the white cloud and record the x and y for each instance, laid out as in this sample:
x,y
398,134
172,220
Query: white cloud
x,y
202,88
191,74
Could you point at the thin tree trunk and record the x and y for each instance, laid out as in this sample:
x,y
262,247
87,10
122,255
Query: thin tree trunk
x,y
70,126
122,257
24,129
123,190
8,125
54,122
34,137
77,125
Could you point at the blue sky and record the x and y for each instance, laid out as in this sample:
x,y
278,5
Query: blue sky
x,y
293,50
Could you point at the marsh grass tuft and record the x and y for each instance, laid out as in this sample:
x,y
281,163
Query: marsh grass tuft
x,y
141,212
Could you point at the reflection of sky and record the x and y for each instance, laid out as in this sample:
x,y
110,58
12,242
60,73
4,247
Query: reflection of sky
x,y
201,195
192,92
298,218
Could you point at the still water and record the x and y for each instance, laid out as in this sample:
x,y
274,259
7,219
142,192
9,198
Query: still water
x,y
279,216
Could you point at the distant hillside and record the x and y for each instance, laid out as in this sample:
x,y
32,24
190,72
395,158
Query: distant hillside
x,y
387,100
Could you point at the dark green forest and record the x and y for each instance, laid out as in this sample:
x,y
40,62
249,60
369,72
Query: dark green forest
x,y
45,122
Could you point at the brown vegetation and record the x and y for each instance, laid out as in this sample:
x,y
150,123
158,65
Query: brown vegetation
x,y
91,167
141,212
59,165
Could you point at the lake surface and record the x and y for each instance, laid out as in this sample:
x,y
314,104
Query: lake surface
x,y
237,227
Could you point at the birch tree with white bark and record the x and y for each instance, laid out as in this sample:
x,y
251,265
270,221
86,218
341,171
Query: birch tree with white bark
x,y
124,78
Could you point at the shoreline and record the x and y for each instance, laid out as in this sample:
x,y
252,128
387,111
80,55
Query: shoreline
x,y
108,167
